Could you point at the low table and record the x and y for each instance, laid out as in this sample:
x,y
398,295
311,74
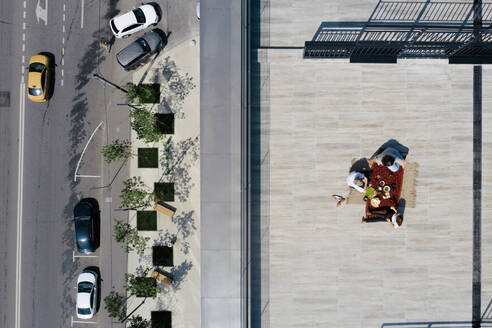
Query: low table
x,y
392,179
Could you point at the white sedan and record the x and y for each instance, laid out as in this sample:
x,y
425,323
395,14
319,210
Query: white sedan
x,y
133,21
87,294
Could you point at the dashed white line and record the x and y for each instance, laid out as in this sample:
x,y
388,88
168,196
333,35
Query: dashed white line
x,y
62,71
63,28
24,15
23,37
63,7
63,63
23,60
82,15
63,17
61,82
25,4
63,40
63,51
24,24
23,47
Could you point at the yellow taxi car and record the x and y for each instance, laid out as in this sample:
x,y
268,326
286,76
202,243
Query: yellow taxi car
x,y
39,78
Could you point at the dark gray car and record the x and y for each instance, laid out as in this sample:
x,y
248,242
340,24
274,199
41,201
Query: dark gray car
x,y
140,50
86,215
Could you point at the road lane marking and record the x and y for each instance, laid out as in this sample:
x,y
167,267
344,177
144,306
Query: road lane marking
x,y
82,15
62,71
85,148
23,37
24,15
20,182
25,4
63,51
23,47
42,12
63,17
74,256
24,24
88,322
63,40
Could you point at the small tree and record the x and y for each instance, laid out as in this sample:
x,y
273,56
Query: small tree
x,y
114,303
125,233
138,322
140,93
117,150
135,194
144,123
141,286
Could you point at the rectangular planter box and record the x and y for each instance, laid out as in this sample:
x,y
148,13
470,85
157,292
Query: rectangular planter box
x,y
148,157
162,256
154,94
165,123
161,319
164,191
147,220
150,282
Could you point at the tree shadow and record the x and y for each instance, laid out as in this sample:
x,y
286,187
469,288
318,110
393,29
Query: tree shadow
x,y
112,9
92,58
177,87
179,274
183,155
185,222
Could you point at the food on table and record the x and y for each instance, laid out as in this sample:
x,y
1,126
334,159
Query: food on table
x,y
371,192
375,202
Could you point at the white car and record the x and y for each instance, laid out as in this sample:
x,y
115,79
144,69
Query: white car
x,y
87,294
134,21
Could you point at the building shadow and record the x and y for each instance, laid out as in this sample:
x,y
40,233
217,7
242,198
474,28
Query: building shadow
x,y
259,161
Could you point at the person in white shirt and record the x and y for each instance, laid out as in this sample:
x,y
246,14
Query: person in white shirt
x,y
358,181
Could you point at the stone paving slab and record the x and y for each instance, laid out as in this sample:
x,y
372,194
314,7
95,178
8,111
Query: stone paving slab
x,y
326,269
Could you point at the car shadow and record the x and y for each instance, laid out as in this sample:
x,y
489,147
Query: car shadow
x,y
52,63
98,285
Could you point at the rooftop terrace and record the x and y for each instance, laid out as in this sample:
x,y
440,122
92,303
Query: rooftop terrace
x,y
320,267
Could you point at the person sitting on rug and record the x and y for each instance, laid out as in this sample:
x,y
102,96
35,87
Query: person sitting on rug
x,y
358,181
392,216
396,220
391,158
360,174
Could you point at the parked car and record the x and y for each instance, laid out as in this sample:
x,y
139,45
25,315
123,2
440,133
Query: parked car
x,y
85,214
39,78
87,284
133,21
140,50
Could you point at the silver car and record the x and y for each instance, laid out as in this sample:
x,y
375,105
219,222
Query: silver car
x,y
140,50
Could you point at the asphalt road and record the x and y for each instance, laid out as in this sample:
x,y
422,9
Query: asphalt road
x,y
50,138
54,135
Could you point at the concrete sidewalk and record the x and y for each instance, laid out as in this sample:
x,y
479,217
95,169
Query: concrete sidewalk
x,y
177,70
